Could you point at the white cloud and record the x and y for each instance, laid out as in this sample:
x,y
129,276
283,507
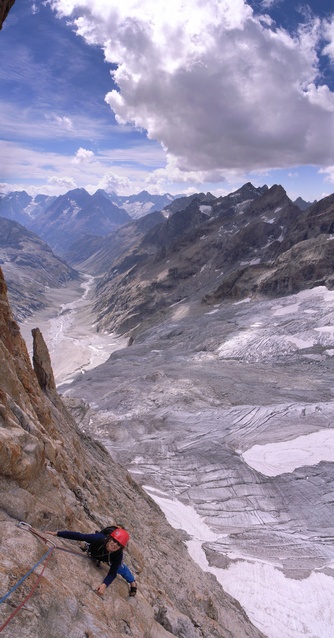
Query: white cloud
x,y
216,86
114,182
63,121
329,172
36,166
267,4
172,174
83,156
329,35
7,188
320,96
62,181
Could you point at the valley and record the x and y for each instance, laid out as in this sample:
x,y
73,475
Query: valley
x,y
67,324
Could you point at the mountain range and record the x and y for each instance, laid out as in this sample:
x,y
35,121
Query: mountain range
x,y
199,246
250,243
61,220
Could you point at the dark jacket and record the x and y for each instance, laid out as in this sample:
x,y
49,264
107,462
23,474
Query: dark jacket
x,y
98,542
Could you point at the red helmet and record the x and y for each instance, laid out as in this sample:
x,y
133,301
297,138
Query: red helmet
x,y
120,535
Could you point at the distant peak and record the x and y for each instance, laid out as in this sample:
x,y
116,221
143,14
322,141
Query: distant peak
x,y
77,191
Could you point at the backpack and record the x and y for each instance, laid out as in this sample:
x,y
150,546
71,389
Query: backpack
x,y
97,549
107,530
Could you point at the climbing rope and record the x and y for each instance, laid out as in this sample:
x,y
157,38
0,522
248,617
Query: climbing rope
x,y
48,541
16,586
45,558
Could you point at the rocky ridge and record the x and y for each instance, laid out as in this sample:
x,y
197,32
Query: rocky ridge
x,y
43,486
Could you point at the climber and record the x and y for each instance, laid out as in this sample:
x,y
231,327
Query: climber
x,y
107,548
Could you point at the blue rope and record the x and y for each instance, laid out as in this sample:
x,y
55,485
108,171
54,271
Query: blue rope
x,y
26,576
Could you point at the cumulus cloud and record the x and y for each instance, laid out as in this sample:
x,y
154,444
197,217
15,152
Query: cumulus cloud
x,y
63,182
219,87
114,182
83,156
172,174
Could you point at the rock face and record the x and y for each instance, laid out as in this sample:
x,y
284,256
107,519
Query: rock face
x,y
30,267
51,476
96,255
302,259
42,365
5,6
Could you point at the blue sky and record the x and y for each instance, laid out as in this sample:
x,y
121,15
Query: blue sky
x,y
176,97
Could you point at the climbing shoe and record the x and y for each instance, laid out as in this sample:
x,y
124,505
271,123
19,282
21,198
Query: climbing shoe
x,y
133,589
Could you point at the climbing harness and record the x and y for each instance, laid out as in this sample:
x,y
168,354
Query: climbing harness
x,y
46,558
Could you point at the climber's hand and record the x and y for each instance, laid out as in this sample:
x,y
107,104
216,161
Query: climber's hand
x,y
101,589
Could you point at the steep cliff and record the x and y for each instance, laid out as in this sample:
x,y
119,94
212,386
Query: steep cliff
x,y
52,476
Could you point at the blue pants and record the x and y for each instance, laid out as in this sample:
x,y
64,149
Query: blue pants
x,y
125,572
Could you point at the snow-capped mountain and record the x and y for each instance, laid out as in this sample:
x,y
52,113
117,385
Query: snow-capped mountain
x,y
22,208
63,220
76,214
143,203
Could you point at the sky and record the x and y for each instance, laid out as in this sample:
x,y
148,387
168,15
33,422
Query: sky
x,y
177,97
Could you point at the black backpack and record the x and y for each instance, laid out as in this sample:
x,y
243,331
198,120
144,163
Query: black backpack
x,y
97,549
107,530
